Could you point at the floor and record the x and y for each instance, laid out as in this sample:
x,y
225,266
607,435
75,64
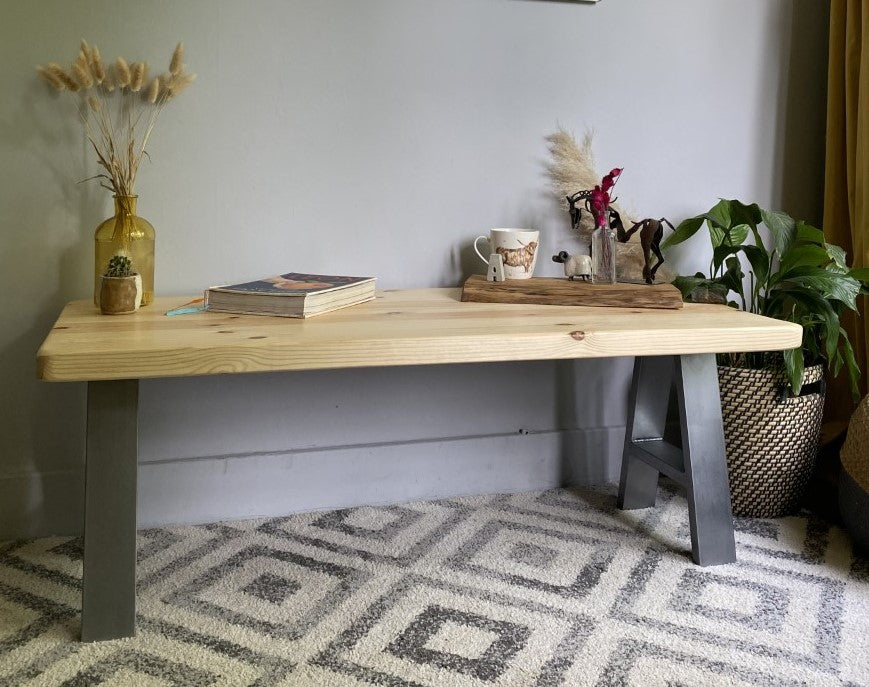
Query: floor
x,y
544,588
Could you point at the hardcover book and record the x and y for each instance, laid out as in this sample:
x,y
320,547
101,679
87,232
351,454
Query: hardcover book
x,y
291,295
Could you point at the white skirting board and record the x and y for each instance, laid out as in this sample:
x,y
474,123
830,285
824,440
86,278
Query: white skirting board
x,y
213,488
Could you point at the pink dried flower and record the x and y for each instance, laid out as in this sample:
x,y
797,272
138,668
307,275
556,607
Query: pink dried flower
x,y
600,196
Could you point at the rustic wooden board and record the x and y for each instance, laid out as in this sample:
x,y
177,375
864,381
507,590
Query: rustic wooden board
x,y
551,291
399,327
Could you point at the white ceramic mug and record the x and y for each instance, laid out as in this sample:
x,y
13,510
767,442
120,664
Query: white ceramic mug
x,y
518,247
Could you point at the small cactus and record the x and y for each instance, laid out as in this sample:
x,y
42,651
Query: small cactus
x,y
119,266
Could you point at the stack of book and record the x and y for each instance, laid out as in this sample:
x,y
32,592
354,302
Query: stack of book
x,y
291,295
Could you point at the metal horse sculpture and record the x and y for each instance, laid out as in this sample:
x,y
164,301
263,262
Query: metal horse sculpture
x,y
574,210
651,233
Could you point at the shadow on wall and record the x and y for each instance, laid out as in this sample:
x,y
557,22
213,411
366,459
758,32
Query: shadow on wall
x,y
46,260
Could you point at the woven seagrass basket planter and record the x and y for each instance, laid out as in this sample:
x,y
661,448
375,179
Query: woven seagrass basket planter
x,y
854,478
771,438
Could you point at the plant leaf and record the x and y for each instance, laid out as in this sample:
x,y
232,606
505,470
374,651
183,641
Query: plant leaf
x,y
759,260
687,284
781,227
835,364
684,231
719,215
737,235
716,236
851,364
860,274
830,285
733,276
808,233
696,289
802,255
722,252
750,215
808,308
794,367
837,255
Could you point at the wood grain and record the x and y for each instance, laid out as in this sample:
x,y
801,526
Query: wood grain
x,y
400,327
551,291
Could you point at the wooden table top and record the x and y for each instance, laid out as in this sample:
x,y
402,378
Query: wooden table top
x,y
399,327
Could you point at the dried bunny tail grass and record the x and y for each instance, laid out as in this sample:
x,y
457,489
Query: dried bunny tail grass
x,y
82,76
98,69
138,74
118,131
83,61
61,74
153,90
81,70
164,78
51,77
178,83
177,61
108,83
122,71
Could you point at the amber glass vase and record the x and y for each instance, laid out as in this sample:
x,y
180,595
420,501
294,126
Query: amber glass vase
x,y
126,234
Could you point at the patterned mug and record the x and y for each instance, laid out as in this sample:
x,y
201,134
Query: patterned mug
x,y
518,248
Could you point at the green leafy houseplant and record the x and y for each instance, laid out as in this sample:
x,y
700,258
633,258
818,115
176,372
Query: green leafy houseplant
x,y
794,275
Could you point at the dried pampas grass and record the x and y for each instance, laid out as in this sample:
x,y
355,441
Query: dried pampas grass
x,y
117,109
572,165
572,168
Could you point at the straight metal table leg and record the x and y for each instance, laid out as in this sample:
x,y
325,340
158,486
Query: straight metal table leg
x,y
699,465
109,581
647,415
712,538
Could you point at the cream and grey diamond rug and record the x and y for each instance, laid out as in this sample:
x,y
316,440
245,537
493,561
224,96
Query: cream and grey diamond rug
x,y
545,588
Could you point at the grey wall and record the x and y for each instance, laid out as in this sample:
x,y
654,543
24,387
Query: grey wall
x,y
374,137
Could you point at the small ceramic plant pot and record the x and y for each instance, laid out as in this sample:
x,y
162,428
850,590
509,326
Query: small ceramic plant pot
x,y
120,295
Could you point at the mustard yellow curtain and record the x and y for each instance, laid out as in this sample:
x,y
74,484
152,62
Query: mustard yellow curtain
x,y
846,188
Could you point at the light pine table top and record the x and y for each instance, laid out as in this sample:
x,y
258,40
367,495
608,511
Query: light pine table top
x,y
399,327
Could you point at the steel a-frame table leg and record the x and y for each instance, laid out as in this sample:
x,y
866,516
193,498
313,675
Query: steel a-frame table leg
x,y
109,581
699,466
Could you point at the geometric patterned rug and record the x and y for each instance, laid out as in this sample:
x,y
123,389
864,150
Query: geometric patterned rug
x,y
543,588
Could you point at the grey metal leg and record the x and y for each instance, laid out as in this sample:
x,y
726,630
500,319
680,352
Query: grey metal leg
x,y
647,415
699,465
109,584
711,519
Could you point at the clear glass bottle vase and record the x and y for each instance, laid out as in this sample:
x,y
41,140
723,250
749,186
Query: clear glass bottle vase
x,y
125,234
603,255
